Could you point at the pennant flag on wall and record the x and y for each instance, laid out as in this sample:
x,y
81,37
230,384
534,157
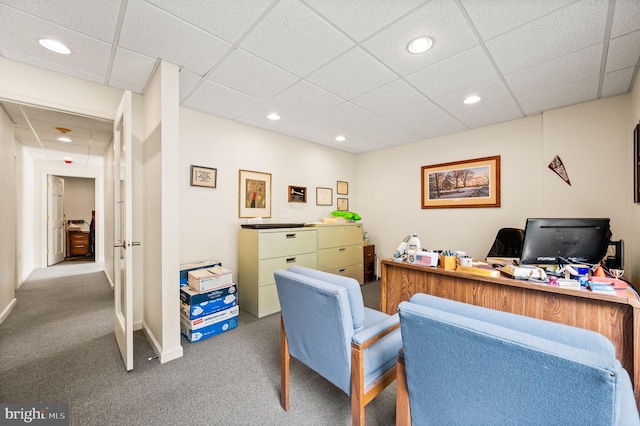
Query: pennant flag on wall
x,y
557,166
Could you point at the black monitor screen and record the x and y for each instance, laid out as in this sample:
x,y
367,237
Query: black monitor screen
x,y
559,241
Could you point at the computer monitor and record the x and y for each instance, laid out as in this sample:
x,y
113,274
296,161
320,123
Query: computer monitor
x,y
560,241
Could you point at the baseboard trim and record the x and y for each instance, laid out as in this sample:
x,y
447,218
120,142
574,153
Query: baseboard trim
x,y
6,311
163,356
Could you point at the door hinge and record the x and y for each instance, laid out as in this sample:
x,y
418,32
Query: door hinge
x,y
47,184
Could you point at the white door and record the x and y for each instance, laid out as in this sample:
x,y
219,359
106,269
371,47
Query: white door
x,y
55,220
122,256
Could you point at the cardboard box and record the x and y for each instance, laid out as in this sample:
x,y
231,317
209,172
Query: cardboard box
x,y
202,280
186,267
205,327
195,305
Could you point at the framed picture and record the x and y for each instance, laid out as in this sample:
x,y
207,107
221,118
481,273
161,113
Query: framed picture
x,y
343,204
324,196
254,194
636,164
203,176
343,188
468,183
297,194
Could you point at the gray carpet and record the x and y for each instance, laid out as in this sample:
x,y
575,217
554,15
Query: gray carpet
x,y
58,346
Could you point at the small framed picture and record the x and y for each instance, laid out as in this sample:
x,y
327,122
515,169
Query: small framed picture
x,y
343,188
343,204
203,176
297,194
324,196
254,194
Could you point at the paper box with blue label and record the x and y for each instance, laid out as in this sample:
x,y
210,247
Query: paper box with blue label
x,y
211,325
195,305
186,267
208,279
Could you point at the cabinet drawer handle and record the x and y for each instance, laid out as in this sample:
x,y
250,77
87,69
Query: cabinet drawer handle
x,y
291,260
291,236
342,249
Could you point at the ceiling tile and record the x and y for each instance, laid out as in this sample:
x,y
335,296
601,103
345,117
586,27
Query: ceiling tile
x,y
294,38
360,144
439,127
227,19
188,82
51,66
218,100
617,82
453,74
492,93
132,68
418,114
344,115
249,74
390,98
372,15
352,74
626,17
567,69
259,115
312,130
567,30
440,19
400,137
570,94
375,128
154,33
95,18
492,114
492,18
306,99
623,51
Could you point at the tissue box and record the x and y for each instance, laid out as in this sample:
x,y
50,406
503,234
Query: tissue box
x,y
215,324
195,305
209,279
186,267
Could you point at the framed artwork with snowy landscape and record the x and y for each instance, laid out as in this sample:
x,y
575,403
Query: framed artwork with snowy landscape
x,y
468,183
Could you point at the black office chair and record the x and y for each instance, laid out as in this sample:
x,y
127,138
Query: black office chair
x,y
508,243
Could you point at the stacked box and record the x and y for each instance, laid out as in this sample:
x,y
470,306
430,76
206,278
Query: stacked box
x,y
209,325
195,305
186,267
208,279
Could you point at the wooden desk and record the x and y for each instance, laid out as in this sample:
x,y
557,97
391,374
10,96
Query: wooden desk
x,y
616,317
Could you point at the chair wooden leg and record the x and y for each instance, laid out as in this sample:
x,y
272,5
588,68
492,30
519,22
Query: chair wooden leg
x,y
284,368
357,387
403,411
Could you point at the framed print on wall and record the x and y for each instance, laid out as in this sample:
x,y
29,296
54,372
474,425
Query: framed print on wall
x,y
468,183
343,204
324,196
297,194
343,188
203,176
254,194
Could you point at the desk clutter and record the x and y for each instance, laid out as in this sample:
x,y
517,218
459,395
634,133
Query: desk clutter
x,y
208,300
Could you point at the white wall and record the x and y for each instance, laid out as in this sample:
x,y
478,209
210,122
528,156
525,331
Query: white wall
x,y
8,217
209,221
591,138
79,198
633,248
25,213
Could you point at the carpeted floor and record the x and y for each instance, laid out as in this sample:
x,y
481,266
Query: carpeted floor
x,y
58,346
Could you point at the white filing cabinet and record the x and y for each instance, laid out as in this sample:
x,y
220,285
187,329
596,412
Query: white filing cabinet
x,y
340,250
260,253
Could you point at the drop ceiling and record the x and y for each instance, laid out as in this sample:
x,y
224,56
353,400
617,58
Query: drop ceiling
x,y
341,67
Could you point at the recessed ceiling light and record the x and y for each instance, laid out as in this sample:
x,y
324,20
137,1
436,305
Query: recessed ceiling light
x,y
273,116
54,46
340,138
63,130
420,45
64,139
472,99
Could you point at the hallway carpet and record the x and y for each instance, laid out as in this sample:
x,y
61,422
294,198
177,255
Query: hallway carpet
x,y
58,346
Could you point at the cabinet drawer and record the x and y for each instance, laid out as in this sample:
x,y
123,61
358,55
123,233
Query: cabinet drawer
x,y
79,237
277,244
268,266
336,236
351,271
269,302
339,256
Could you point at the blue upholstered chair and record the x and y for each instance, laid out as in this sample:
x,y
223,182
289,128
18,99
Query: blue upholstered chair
x,y
325,325
468,365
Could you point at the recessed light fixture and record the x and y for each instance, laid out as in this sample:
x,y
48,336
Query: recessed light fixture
x,y
273,116
472,99
341,138
63,130
64,139
54,46
420,45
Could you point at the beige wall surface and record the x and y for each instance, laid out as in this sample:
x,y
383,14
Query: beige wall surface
x,y
8,266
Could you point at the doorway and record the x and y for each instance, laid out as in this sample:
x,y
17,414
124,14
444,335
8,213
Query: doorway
x,y
80,219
